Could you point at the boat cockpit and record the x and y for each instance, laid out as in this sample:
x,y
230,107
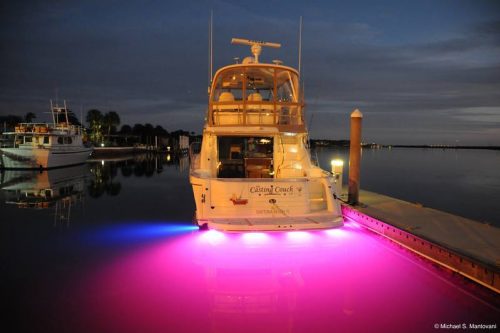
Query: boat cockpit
x,y
245,157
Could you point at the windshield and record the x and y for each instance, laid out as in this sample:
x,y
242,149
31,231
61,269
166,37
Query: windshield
x,y
256,84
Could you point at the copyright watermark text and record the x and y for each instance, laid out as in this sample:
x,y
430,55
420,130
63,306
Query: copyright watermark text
x,y
465,326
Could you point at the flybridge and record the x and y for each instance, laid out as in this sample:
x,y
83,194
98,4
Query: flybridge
x,y
255,94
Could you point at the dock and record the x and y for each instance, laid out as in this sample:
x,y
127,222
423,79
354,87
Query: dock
x,y
462,245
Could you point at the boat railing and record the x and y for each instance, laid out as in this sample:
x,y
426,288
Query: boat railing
x,y
31,128
255,113
45,128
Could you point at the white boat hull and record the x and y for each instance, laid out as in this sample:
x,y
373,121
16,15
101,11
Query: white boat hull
x,y
265,205
43,158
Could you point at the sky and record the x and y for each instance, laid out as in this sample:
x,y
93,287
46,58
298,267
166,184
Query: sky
x,y
421,72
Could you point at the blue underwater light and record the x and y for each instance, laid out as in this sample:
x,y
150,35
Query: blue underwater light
x,y
139,231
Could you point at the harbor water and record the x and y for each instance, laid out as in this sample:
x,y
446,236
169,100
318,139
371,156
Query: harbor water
x,y
110,247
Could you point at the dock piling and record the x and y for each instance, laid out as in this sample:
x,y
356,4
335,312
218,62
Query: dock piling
x,y
355,157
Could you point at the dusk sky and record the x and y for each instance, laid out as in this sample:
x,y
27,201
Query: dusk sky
x,y
422,72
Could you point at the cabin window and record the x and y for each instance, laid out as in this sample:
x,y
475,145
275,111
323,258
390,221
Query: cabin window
x,y
60,140
28,139
259,84
286,86
245,157
46,140
229,86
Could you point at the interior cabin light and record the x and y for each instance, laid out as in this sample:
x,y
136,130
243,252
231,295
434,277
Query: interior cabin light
x,y
289,134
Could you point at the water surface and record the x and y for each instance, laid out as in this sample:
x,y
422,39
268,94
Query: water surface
x,y
109,247
463,182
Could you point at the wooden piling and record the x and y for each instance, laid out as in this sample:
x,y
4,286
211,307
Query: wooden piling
x,y
355,157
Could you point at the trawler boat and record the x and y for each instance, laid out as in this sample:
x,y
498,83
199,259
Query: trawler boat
x,y
43,145
253,169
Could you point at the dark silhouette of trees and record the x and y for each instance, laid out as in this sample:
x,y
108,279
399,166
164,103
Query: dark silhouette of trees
x,y
8,122
126,130
110,121
28,117
95,120
105,125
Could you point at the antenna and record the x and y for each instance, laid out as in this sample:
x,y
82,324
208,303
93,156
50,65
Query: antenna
x,y
300,44
52,112
211,44
256,46
66,112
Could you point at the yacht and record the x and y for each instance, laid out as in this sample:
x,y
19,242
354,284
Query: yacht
x,y
253,169
44,145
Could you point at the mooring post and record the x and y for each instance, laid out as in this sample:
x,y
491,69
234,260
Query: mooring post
x,y
355,157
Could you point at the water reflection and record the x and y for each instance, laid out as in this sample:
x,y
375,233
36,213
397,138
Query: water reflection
x,y
60,190
56,189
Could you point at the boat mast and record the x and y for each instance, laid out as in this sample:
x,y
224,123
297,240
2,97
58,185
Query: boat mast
x,y
66,113
52,112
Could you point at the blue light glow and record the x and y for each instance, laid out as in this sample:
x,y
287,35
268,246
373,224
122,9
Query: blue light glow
x,y
137,231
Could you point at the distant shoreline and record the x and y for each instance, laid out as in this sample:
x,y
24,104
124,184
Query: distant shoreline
x,y
443,147
345,144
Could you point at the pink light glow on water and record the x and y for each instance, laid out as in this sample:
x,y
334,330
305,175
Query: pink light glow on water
x,y
256,238
299,236
337,232
325,281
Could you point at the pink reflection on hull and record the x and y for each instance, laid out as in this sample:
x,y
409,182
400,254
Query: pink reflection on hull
x,y
342,280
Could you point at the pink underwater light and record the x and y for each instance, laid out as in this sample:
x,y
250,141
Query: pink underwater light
x,y
339,280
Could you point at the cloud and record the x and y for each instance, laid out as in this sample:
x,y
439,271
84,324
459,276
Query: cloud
x,y
149,62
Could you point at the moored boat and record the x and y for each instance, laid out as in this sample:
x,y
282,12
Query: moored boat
x,y
44,145
253,169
